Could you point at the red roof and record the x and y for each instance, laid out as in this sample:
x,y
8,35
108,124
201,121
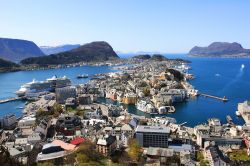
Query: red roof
x,y
77,141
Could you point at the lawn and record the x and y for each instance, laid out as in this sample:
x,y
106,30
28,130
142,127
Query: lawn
x,y
239,155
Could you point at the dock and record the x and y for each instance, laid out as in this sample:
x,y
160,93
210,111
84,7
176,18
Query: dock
x,y
214,97
10,99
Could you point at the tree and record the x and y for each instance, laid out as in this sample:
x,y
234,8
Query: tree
x,y
47,163
87,154
134,149
6,159
82,158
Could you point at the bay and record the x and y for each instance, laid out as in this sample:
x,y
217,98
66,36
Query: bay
x,y
215,76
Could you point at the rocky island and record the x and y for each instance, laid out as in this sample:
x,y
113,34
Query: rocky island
x,y
155,57
220,49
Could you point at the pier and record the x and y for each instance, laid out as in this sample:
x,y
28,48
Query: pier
x,y
10,99
214,97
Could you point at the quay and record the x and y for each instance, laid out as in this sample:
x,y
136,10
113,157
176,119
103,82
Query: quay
x,y
10,99
214,97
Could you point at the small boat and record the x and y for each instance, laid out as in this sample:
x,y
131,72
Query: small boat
x,y
237,113
229,119
83,76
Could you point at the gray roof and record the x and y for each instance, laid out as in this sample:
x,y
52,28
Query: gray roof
x,y
183,147
152,129
14,152
164,152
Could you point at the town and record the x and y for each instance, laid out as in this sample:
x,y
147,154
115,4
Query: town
x,y
89,124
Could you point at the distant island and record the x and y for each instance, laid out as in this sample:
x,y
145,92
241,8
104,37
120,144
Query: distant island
x,y
143,56
156,57
95,51
220,49
16,50
57,49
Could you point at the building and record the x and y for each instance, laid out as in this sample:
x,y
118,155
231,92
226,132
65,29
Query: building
x,y
34,138
84,99
2,136
67,124
106,145
62,94
130,98
27,121
152,136
214,156
43,127
244,111
126,133
8,121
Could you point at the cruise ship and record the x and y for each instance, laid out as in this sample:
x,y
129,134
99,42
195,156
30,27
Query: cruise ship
x,y
43,86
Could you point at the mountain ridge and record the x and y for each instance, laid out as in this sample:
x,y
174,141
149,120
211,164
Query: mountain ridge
x,y
94,51
17,49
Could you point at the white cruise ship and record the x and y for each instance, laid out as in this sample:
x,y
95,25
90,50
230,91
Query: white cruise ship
x,y
43,86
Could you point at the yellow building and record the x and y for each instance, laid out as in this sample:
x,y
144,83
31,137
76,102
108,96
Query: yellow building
x,y
130,98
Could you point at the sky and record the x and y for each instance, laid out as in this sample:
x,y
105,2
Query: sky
x,y
169,26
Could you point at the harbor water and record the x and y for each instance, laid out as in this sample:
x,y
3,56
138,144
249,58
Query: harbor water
x,y
221,77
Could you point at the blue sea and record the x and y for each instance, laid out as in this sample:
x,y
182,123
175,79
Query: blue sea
x,y
215,76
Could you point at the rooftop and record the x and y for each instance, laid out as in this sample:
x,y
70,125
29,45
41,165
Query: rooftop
x,y
152,129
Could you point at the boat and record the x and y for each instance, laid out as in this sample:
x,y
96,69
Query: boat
x,y
229,119
237,113
83,76
48,85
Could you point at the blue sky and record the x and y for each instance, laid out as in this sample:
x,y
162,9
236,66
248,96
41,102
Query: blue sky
x,y
128,25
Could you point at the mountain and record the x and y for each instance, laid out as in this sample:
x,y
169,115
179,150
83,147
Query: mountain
x,y
95,51
143,57
7,65
220,49
57,49
158,57
16,49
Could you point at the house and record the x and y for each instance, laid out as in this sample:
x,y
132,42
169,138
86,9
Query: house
x,y
21,141
106,145
134,122
2,136
43,127
34,138
126,128
67,124
129,98
27,121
